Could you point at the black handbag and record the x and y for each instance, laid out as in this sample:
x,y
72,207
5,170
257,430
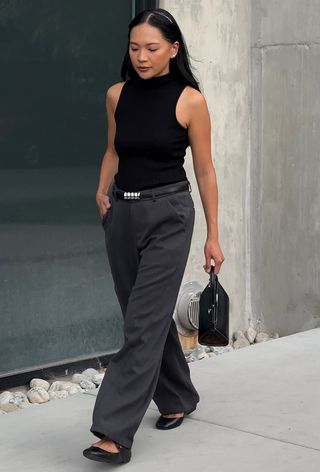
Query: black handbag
x,y
213,327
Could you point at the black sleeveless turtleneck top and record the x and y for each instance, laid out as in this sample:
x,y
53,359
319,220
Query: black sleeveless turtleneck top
x,y
149,140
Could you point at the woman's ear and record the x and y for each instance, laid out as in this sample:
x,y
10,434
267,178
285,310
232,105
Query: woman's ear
x,y
175,49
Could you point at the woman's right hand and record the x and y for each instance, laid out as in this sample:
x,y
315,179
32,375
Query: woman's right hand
x,y
103,203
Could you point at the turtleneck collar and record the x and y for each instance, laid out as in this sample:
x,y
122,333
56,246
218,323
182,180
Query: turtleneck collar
x,y
155,81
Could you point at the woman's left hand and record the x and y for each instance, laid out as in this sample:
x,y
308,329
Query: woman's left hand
x,y
213,251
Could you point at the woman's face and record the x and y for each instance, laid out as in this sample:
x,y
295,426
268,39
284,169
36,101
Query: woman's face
x,y
149,52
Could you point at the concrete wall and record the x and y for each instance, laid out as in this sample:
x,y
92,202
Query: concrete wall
x,y
217,34
285,171
258,61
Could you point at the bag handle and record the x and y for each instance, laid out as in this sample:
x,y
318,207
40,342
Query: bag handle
x,y
213,276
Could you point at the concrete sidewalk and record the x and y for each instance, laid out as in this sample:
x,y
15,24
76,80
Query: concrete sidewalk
x,y
259,411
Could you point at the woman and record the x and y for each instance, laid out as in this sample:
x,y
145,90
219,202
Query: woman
x,y
148,216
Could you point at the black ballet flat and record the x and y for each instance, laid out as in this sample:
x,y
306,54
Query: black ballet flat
x,y
170,423
97,454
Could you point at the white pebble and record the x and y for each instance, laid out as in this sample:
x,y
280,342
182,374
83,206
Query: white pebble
x,y
261,337
76,378
20,399
64,385
87,385
238,334
39,383
38,395
241,342
57,395
251,333
73,389
7,403
89,373
191,358
222,349
97,379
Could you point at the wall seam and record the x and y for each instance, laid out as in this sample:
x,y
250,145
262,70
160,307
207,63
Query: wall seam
x,y
248,194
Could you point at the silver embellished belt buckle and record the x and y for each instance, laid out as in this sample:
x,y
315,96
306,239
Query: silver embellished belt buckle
x,y
131,195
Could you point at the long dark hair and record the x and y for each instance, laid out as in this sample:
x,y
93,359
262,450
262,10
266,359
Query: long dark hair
x,y
163,20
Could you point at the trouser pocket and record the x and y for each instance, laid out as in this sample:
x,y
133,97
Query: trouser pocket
x,y
181,204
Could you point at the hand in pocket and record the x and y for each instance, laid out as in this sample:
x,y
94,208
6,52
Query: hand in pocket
x,y
103,204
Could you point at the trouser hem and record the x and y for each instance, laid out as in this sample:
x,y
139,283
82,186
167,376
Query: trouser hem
x,y
177,409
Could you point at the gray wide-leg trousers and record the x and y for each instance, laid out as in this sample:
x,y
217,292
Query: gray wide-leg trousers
x,y
148,243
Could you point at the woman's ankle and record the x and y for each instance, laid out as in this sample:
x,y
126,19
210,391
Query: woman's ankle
x,y
173,415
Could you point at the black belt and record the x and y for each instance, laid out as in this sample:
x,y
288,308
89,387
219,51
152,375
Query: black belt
x,y
152,192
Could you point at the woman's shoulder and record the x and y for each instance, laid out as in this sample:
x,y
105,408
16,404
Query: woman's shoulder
x,y
193,103
113,93
193,97
115,89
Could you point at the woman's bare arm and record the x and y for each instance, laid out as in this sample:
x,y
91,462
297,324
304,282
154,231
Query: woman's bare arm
x,y
199,130
109,165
